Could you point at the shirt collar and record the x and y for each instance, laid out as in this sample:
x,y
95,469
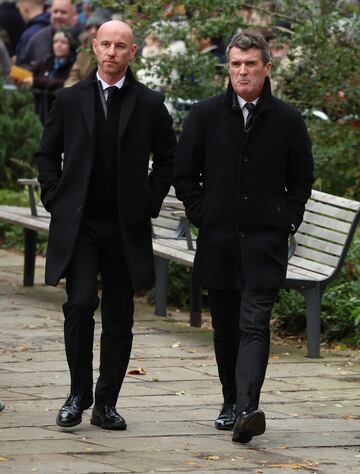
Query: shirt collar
x,y
242,102
104,85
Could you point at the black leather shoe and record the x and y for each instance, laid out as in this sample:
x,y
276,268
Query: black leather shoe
x,y
70,414
248,424
226,418
107,417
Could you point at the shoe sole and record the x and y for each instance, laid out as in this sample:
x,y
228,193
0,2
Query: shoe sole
x,y
225,428
97,422
68,425
254,426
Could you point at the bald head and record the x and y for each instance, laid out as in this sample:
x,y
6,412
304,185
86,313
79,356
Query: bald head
x,y
114,49
116,27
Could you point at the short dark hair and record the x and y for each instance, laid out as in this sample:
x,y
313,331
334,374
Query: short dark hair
x,y
250,39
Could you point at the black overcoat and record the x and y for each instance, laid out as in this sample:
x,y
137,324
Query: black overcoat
x,y
65,158
245,191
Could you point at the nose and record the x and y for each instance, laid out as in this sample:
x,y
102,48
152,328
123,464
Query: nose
x,y
111,50
242,69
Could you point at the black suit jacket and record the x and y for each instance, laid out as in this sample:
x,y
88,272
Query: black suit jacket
x,y
145,128
245,192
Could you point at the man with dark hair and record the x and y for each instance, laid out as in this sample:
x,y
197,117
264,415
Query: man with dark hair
x,y
93,169
244,171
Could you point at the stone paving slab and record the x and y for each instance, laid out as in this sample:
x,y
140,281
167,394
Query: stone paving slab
x,y
312,406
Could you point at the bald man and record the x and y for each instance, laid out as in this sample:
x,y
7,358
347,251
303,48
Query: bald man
x,y
93,169
39,46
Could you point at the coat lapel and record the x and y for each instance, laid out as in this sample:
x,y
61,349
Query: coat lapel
x,y
87,102
127,108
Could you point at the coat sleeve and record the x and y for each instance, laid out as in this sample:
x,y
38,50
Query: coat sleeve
x,y
49,155
189,166
300,173
163,151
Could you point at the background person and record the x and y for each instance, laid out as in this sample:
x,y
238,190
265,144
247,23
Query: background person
x,y
50,75
36,19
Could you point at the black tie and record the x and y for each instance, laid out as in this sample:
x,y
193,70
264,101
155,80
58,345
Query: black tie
x,y
110,95
250,108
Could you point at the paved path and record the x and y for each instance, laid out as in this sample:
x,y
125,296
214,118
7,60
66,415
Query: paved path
x,y
312,406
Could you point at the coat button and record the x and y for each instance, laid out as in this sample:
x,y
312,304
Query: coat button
x,y
245,158
245,196
79,208
242,234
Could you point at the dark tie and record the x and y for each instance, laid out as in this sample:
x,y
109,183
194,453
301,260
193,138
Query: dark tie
x,y
250,108
110,91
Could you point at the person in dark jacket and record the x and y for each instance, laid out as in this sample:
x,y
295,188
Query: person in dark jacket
x,y
63,15
244,171
36,19
5,61
93,170
12,23
51,74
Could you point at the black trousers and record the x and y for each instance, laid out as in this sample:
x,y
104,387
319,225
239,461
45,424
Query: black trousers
x,y
98,250
241,323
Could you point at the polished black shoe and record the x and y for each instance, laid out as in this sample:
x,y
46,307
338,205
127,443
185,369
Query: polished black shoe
x,y
70,414
248,424
226,418
107,417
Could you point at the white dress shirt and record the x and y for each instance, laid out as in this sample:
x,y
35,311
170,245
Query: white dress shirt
x,y
105,86
242,103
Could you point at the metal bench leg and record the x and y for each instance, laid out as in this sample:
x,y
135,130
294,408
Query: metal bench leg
x,y
161,283
313,308
30,239
195,304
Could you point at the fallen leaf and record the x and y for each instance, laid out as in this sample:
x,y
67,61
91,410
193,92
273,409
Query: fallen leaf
x,y
294,465
155,379
282,446
212,458
22,348
3,458
180,393
138,371
176,344
352,417
274,357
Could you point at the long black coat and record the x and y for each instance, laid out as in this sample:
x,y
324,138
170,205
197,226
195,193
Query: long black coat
x,y
145,127
245,191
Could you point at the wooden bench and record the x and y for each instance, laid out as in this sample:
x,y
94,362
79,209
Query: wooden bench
x,y
316,256
317,252
168,226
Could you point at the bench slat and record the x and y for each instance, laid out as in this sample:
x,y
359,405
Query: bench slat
x,y
316,267
322,233
319,245
327,222
30,222
331,211
335,200
314,255
301,274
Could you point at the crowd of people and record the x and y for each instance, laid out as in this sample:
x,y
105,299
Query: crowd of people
x,y
52,40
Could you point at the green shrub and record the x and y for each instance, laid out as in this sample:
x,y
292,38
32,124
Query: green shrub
x,y
20,131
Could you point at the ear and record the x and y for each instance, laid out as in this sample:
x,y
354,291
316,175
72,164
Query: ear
x,y
133,51
268,67
94,45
